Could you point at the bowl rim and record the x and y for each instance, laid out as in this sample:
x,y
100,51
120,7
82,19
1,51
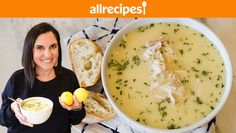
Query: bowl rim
x,y
194,24
41,98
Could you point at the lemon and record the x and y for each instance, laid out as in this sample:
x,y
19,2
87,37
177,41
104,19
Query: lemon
x,y
67,98
81,94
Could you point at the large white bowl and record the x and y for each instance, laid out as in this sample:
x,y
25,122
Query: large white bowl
x,y
185,21
37,117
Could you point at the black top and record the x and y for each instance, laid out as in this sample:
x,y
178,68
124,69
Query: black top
x,y
60,120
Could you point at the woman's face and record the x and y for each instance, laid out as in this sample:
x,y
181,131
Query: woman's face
x,y
45,51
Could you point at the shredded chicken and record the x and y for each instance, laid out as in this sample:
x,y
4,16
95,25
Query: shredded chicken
x,y
165,84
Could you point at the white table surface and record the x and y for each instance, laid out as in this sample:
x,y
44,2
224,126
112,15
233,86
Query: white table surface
x,y
13,31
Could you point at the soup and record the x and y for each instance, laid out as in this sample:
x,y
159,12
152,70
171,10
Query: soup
x,y
35,105
165,75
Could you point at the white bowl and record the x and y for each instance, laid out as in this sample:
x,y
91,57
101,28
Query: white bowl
x,y
194,25
38,116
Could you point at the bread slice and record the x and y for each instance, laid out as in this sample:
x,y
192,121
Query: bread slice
x,y
97,108
86,58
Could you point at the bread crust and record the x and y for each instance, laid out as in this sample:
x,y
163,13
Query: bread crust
x,y
86,58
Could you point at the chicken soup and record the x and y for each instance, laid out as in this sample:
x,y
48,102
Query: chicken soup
x,y
35,105
165,75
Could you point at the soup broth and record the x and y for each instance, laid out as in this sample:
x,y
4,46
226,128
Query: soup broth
x,y
35,105
197,64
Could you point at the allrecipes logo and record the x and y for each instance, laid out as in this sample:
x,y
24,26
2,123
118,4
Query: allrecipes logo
x,y
121,9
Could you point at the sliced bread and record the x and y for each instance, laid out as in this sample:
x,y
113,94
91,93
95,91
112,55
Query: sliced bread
x,y
86,58
97,108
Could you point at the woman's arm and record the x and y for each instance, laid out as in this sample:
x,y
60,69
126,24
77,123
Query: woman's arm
x,y
76,116
7,116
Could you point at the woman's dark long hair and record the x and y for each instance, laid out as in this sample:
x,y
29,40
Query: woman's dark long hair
x,y
27,55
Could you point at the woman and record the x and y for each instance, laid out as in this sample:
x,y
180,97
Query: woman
x,y
42,76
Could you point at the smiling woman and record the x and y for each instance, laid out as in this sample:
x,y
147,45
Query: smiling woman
x,y
42,76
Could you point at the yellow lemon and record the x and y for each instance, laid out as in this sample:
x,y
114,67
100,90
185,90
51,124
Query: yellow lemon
x,y
81,94
67,98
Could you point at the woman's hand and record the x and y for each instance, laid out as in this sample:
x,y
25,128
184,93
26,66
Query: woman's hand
x,y
15,107
75,106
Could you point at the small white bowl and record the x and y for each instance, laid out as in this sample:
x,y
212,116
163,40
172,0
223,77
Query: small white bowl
x,y
38,116
194,25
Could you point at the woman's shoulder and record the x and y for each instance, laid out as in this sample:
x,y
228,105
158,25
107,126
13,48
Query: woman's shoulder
x,y
18,73
67,72
17,76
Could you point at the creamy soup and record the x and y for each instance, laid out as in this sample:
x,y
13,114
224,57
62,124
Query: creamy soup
x,y
35,105
165,75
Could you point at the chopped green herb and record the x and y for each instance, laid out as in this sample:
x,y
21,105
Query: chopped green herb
x,y
211,94
222,85
181,51
117,88
194,69
143,28
141,112
198,61
185,101
121,92
146,84
118,80
175,30
119,66
162,109
196,76
152,25
205,54
184,81
122,44
219,77
138,120
217,85
172,126
136,60
192,92
186,43
205,73
168,99
119,73
128,95
212,108
164,33
164,114
198,100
